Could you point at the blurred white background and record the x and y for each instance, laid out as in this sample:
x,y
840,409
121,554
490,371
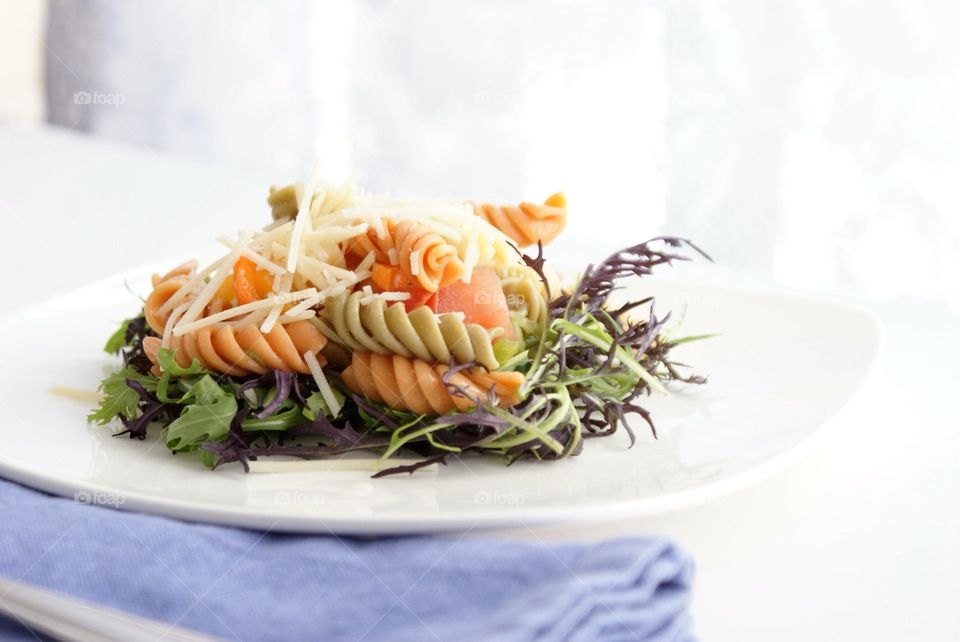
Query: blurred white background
x,y
814,143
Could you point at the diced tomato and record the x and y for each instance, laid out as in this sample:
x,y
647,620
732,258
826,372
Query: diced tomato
x,y
481,301
225,292
390,278
383,276
250,283
352,260
420,297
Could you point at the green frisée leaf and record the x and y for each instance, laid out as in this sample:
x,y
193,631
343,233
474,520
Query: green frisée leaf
x,y
118,339
690,339
585,364
118,398
604,341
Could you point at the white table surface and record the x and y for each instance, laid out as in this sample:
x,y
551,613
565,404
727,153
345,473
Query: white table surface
x,y
858,541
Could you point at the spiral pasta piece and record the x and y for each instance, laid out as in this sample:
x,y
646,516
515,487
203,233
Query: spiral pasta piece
x,y
420,333
415,385
527,223
165,287
524,292
240,349
421,254
283,202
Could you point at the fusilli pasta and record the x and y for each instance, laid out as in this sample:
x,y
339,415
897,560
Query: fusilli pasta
x,y
524,292
419,253
527,223
165,287
240,349
283,202
419,333
415,385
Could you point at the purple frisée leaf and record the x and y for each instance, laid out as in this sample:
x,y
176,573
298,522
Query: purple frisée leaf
x,y
282,393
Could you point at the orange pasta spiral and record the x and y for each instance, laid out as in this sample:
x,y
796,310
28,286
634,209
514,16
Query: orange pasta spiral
x,y
165,287
416,249
527,223
240,349
415,385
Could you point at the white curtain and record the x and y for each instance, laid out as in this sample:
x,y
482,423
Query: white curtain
x,y
813,142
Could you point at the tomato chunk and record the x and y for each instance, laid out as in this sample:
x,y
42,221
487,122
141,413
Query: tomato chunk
x,y
390,278
250,283
383,276
481,301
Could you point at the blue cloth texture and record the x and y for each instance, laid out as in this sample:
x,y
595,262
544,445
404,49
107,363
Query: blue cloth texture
x,y
253,585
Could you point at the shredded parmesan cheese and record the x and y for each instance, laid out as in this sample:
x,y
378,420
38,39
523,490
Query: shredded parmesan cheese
x,y
254,318
334,290
339,272
183,328
367,262
305,305
267,265
281,289
303,316
322,384
191,286
79,394
302,223
370,297
175,316
379,227
415,262
206,294
305,255
336,233
472,252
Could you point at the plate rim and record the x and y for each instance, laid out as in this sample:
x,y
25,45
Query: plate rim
x,y
603,510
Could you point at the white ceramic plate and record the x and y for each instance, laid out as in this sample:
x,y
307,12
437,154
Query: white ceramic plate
x,y
781,368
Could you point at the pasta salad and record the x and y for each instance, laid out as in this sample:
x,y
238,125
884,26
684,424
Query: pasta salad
x,y
424,327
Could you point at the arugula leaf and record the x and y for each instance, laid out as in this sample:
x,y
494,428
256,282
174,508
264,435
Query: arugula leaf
x,y
118,339
172,369
119,398
169,364
585,367
206,391
206,418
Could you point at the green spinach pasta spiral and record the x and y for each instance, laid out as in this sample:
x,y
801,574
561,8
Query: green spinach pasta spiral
x,y
421,334
524,292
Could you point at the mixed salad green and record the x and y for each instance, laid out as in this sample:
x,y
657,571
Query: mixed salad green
x,y
586,369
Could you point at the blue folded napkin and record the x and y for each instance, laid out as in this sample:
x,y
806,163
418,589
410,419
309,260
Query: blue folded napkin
x,y
249,585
